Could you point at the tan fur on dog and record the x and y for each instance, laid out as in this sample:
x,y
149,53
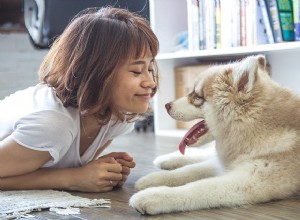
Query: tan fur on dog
x,y
254,124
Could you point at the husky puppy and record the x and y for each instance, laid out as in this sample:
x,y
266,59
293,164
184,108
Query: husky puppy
x,y
254,124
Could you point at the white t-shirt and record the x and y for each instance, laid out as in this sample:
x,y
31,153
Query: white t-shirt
x,y
36,118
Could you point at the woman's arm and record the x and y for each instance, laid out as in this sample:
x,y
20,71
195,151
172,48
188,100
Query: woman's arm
x,y
16,159
95,176
20,169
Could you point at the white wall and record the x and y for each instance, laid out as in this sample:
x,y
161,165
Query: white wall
x,y
285,68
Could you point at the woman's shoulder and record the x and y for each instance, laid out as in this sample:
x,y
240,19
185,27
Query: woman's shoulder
x,y
34,96
39,104
34,99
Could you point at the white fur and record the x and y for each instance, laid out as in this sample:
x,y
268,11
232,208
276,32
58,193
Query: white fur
x,y
256,156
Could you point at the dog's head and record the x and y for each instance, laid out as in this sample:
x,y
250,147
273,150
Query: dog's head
x,y
221,93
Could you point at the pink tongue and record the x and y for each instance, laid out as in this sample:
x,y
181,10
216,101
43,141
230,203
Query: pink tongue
x,y
192,135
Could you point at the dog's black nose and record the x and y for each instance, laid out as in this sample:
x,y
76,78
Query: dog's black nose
x,y
168,106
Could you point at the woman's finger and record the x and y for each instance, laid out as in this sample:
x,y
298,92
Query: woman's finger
x,y
121,155
130,164
125,170
115,168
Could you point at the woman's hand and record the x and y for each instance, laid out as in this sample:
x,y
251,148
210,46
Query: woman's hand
x,y
99,175
126,161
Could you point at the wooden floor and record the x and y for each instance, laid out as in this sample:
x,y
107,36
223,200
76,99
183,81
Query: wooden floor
x,y
144,147
18,65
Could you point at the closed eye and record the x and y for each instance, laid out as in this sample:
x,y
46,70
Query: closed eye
x,y
151,71
136,72
198,97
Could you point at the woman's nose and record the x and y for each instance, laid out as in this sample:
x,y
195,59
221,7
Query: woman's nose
x,y
149,81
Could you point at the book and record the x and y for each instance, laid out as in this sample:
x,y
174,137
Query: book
x,y
209,24
274,15
266,20
243,40
285,13
260,31
226,14
193,24
218,24
296,13
201,25
250,21
235,23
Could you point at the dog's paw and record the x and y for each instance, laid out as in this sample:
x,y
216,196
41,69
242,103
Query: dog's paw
x,y
159,178
176,160
150,180
153,201
171,162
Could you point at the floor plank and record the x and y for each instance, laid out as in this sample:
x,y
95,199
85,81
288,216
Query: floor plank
x,y
144,147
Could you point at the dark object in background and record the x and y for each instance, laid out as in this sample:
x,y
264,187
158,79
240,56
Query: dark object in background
x,y
11,16
46,19
146,124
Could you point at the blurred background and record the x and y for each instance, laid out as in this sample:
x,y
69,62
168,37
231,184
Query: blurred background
x,y
27,29
19,60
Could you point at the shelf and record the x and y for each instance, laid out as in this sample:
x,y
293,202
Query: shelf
x,y
234,51
283,59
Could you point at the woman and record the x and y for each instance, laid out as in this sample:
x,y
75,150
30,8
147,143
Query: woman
x,y
96,80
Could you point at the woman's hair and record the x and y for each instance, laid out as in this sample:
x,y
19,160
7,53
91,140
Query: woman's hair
x,y
81,64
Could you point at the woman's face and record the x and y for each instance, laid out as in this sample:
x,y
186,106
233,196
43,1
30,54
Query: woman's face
x,y
134,85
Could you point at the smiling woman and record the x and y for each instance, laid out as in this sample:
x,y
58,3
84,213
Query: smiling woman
x,y
96,80
135,85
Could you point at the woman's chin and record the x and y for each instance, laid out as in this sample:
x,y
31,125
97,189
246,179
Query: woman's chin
x,y
140,108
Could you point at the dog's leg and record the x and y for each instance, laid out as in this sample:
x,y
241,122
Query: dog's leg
x,y
247,185
180,176
192,155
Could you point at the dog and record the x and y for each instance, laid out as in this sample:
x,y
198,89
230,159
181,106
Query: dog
x,y
251,129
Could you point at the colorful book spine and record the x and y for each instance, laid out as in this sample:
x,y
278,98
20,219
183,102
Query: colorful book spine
x,y
296,13
218,23
243,39
274,15
201,25
285,12
266,20
260,31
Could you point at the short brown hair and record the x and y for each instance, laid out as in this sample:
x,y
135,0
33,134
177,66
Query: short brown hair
x,y
81,63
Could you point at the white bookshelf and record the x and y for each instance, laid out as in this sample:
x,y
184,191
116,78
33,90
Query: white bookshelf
x,y
169,17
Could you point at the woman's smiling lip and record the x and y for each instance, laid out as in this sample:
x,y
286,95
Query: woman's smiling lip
x,y
146,96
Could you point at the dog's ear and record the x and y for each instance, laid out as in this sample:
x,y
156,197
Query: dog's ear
x,y
262,63
247,72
